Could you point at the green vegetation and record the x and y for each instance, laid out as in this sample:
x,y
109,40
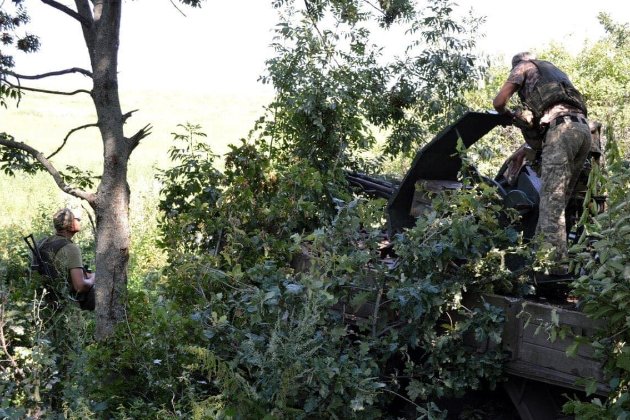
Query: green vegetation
x,y
249,257
603,290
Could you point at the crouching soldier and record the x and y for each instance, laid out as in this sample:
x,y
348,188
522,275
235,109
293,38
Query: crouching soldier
x,y
61,260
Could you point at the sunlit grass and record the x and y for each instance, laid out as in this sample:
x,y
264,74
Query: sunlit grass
x,y
44,120
27,202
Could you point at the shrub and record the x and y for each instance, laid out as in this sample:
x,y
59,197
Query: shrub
x,y
276,339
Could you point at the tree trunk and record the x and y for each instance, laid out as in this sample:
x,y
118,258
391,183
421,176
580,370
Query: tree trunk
x,y
112,249
112,198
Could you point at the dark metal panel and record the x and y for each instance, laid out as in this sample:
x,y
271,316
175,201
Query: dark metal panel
x,y
438,160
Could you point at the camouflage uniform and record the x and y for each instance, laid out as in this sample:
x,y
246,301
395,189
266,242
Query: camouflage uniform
x,y
565,147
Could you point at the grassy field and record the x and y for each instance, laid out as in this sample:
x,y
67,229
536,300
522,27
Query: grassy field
x,y
44,120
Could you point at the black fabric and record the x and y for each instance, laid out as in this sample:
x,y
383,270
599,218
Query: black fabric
x,y
87,300
48,250
567,118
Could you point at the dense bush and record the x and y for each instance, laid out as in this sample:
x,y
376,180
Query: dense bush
x,y
269,299
41,347
52,367
603,291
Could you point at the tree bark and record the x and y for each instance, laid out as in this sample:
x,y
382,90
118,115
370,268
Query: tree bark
x,y
112,197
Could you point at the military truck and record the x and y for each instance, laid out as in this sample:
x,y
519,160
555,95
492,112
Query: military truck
x,y
538,369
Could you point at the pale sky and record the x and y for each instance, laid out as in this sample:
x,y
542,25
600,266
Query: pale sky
x,y
512,27
222,46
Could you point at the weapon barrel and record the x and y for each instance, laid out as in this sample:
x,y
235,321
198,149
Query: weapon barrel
x,y
370,185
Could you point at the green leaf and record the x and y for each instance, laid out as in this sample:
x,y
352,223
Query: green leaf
x,y
555,319
572,349
590,387
415,389
623,359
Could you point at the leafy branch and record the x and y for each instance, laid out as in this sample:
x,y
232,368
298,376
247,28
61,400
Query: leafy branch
x,y
3,343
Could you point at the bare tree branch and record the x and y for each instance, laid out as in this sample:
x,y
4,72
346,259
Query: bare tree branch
x,y
126,115
142,133
54,92
65,140
74,130
84,9
65,9
52,73
380,9
39,156
177,8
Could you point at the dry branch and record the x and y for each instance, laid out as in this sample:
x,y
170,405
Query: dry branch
x,y
51,73
65,140
54,92
142,133
68,11
39,156
127,115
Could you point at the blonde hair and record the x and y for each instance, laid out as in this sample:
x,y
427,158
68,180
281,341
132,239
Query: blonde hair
x,y
62,219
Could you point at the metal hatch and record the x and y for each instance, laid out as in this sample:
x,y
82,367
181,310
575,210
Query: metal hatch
x,y
438,160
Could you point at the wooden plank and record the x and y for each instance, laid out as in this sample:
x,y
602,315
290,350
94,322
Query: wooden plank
x,y
533,355
557,360
550,376
534,333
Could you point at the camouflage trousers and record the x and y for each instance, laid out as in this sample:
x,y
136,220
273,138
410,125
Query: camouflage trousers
x,y
565,149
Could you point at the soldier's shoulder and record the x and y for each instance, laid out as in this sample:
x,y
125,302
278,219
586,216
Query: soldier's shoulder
x,y
526,67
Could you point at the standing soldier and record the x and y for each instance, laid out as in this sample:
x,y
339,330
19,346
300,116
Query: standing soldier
x,y
560,113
